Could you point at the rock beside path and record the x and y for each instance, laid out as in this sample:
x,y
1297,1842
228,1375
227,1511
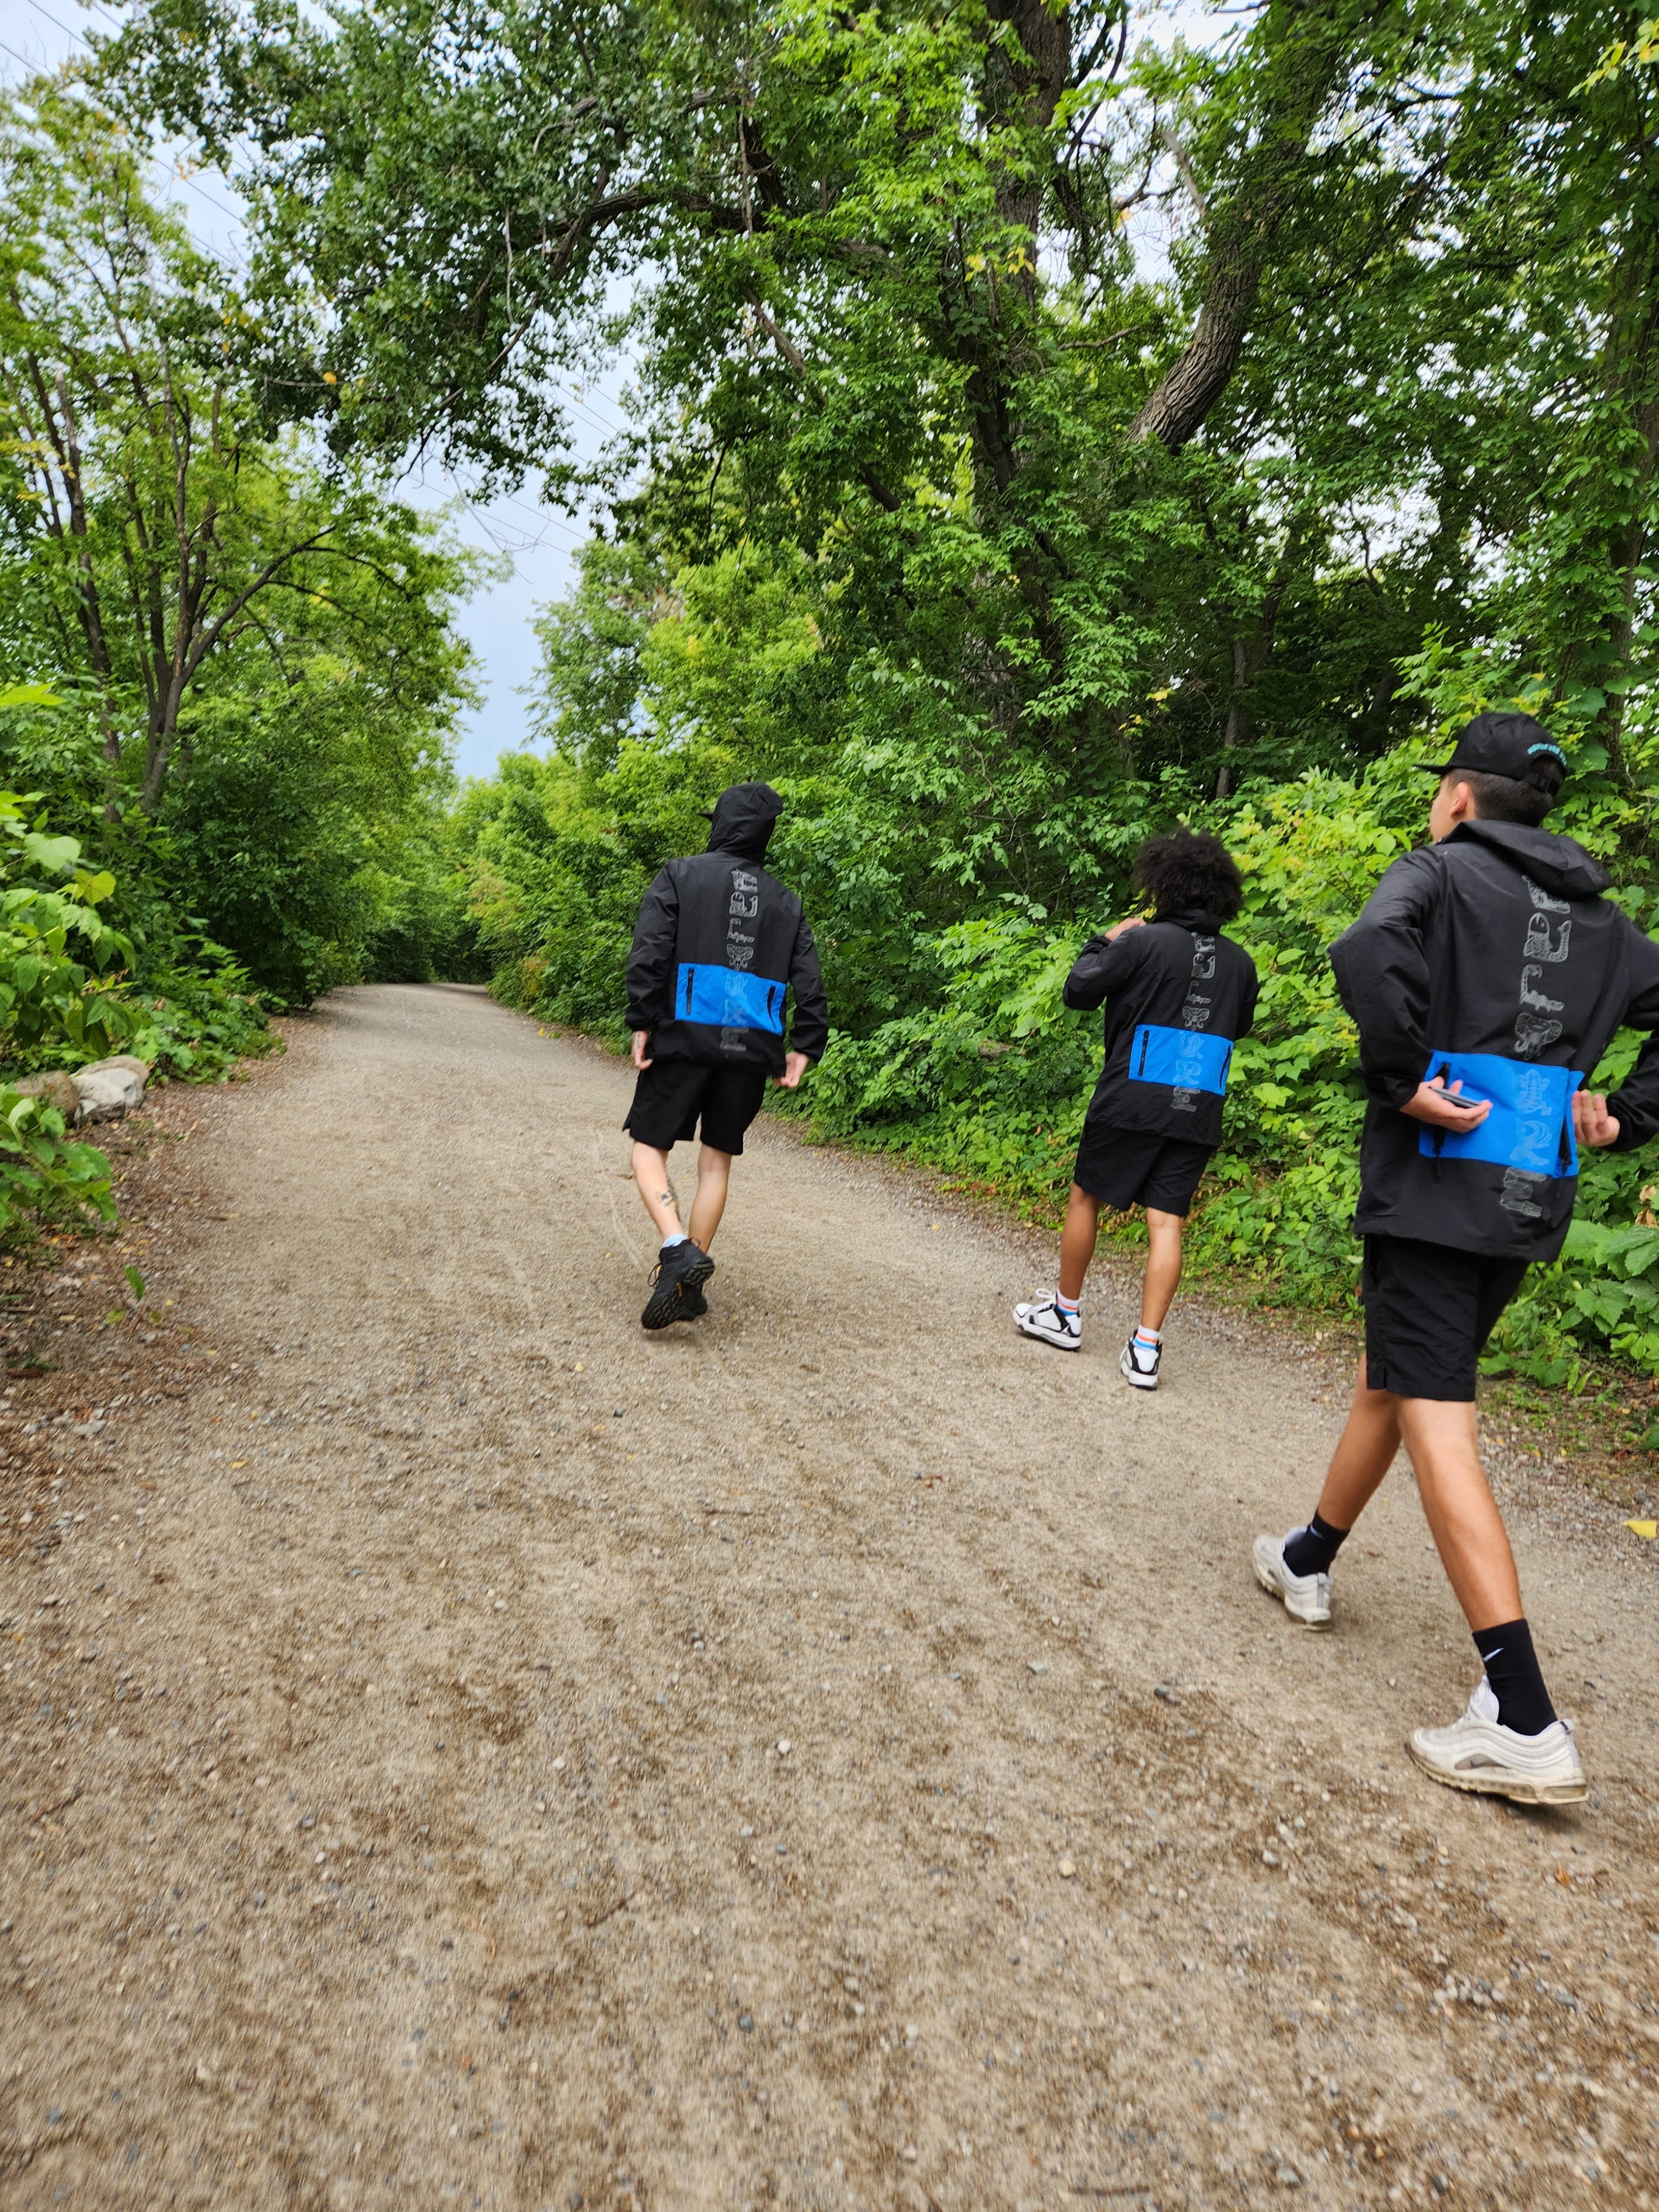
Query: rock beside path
x,y
106,1092
55,1089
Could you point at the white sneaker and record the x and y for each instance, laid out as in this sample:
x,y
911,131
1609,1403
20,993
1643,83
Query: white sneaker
x,y
1138,1364
1043,1319
1478,1752
1307,1597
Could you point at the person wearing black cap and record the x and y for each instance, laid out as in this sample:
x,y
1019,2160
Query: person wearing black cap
x,y
717,945
1486,976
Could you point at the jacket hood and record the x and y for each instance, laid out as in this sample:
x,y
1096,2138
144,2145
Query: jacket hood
x,y
743,820
1555,863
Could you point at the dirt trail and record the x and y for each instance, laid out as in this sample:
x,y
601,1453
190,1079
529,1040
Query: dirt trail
x,y
465,1752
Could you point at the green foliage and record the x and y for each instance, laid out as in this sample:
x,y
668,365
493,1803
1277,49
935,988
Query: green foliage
x,y
44,1176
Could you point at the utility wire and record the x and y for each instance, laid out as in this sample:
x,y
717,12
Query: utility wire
x,y
70,32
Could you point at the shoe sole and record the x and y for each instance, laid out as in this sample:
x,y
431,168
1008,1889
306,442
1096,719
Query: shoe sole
x,y
662,1308
1486,1781
1274,1590
1042,1336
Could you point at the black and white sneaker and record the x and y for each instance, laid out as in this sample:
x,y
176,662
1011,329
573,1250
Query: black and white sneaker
x,y
1138,1364
1045,1319
680,1267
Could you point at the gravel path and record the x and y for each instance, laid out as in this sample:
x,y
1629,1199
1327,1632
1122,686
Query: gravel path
x,y
461,1751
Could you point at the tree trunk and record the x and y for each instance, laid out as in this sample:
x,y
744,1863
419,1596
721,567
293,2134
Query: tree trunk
x,y
1313,38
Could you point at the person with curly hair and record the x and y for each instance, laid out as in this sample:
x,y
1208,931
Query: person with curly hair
x,y
1178,996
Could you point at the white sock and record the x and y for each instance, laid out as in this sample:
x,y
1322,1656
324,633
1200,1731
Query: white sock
x,y
679,1237
1068,1305
1147,1336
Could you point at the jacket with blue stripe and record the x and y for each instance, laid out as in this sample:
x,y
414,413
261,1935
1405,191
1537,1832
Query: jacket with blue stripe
x,y
1494,946
1165,986
717,945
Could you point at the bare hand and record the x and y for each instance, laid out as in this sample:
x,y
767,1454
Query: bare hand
x,y
641,1059
795,1065
1592,1124
1135,921
1444,1110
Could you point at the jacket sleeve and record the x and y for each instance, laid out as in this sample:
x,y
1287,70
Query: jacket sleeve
x,y
1635,1103
651,963
1249,994
809,1030
1383,977
1105,965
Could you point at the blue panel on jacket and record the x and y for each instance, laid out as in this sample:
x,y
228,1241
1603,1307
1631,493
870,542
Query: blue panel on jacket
x,y
1188,1059
1530,1124
728,998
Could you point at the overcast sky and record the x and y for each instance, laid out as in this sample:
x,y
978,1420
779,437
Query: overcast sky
x,y
540,546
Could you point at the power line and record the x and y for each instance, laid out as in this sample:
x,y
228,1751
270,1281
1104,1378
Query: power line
x,y
70,32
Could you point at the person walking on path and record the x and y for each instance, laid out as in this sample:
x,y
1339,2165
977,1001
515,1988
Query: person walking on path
x,y
717,945
1178,996
1487,975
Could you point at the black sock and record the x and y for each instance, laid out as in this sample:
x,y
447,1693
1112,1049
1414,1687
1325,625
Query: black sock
x,y
1310,1550
1511,1665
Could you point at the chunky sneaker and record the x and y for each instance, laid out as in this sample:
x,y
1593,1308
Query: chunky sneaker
x,y
1307,1597
1043,1319
1478,1752
1139,1363
680,1267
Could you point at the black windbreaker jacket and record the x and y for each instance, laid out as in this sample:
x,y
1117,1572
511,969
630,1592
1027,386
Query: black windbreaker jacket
x,y
717,944
1492,955
1179,995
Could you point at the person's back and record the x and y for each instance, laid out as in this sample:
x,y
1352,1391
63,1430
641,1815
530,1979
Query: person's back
x,y
1178,996
718,946
1495,950
718,943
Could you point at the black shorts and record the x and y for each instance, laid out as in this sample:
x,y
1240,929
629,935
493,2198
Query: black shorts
x,y
1130,1167
671,1094
1429,1310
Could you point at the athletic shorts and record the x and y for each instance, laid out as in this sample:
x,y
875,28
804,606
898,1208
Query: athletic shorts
x,y
671,1095
1429,1310
1128,1167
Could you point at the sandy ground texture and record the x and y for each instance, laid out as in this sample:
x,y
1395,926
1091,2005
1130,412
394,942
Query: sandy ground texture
x,y
460,1750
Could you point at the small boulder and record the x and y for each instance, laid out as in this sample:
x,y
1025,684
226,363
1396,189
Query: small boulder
x,y
128,1061
108,1090
54,1089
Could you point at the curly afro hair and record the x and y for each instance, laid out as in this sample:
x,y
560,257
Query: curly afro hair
x,y
1188,870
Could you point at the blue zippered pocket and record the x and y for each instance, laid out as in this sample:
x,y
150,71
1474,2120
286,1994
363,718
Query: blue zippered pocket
x,y
727,998
1530,1124
1188,1059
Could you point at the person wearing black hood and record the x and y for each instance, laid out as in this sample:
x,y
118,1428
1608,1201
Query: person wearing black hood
x,y
717,945
1486,976
1178,996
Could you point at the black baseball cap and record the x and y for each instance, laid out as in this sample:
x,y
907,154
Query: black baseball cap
x,y
1504,744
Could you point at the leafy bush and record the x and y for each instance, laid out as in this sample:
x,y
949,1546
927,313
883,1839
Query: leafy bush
x,y
188,1013
44,1175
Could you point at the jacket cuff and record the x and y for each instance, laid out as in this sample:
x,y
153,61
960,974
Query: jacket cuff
x,y
1633,1133
1395,1090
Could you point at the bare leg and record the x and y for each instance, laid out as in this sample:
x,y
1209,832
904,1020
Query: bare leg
x,y
1364,1454
1077,1242
1163,1267
656,1191
714,1174
1463,1516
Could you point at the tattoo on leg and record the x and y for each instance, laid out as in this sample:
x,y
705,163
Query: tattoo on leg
x,y
664,1198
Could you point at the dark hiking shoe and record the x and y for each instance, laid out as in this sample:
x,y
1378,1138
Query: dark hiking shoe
x,y
680,1267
